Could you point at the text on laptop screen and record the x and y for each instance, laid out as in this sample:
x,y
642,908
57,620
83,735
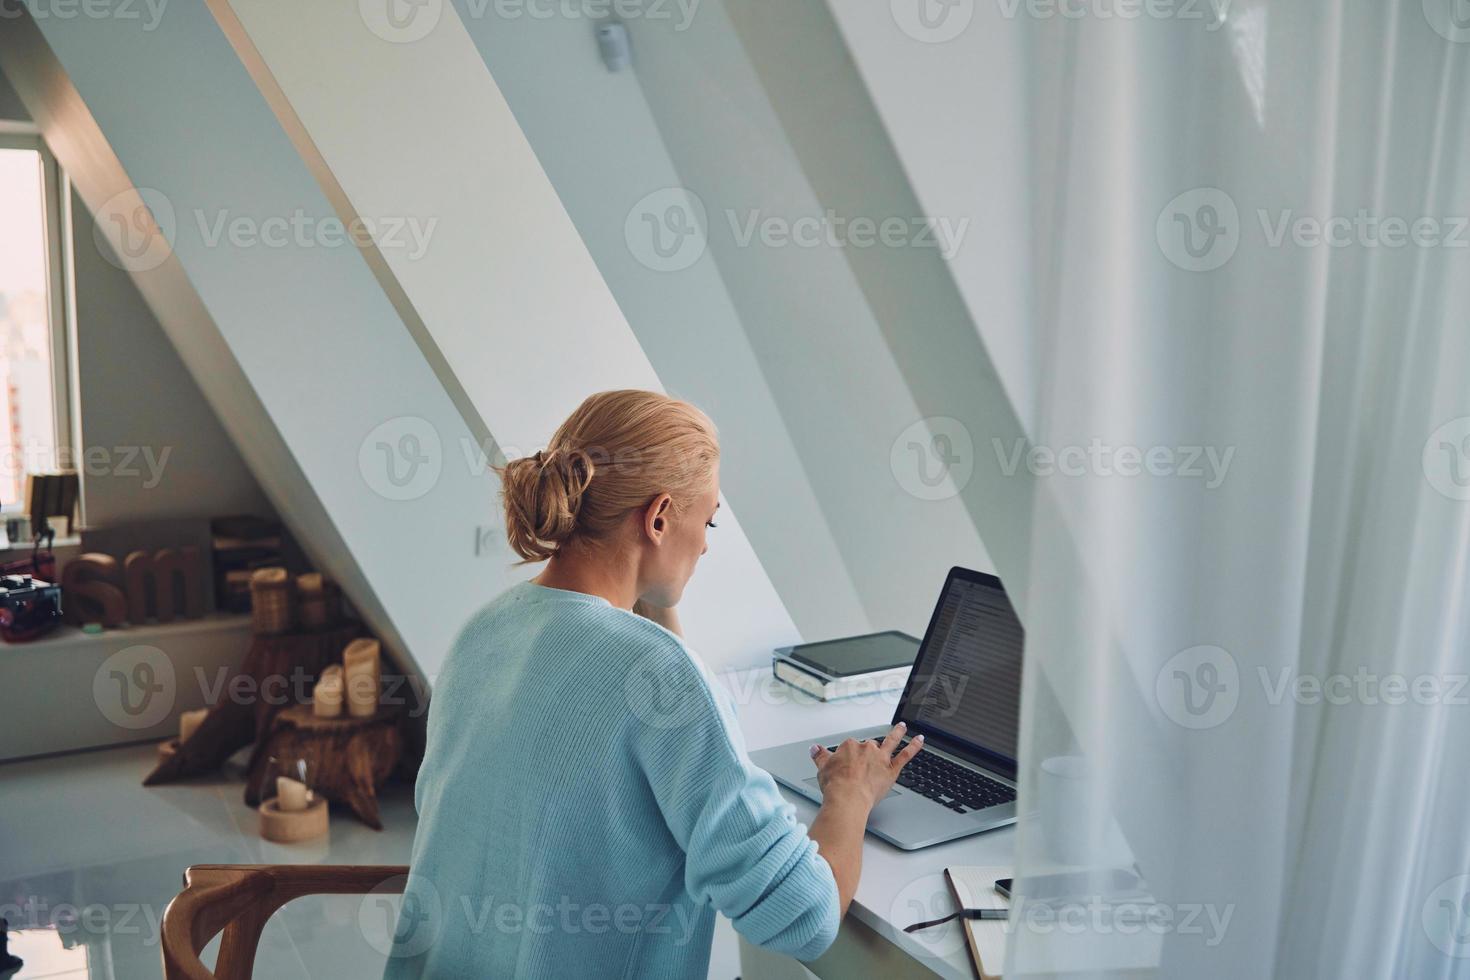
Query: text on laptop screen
x,y
969,674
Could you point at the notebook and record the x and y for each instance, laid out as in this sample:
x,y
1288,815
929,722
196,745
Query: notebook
x,y
974,888
1060,951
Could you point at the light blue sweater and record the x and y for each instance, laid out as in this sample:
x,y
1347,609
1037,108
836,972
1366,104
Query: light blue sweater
x,y
586,804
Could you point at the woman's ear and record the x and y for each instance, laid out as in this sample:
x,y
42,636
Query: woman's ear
x,y
656,517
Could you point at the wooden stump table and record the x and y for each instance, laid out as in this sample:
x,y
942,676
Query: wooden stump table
x,y
346,758
274,666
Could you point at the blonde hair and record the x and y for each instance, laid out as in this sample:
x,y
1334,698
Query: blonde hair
x,y
614,454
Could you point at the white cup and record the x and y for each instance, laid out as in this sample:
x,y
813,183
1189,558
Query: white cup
x,y
1072,833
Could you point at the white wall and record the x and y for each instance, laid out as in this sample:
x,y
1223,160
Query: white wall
x,y
506,289
137,401
956,110
784,339
687,320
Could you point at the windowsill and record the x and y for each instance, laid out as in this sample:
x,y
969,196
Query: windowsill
x,y
73,635
70,541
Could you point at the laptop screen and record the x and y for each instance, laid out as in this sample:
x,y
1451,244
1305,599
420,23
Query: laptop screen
x,y
966,682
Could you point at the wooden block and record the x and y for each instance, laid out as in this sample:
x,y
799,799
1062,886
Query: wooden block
x,y
88,592
174,577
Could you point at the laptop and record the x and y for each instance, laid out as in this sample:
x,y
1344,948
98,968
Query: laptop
x,y
964,697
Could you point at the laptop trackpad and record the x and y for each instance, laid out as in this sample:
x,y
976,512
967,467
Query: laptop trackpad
x,y
812,782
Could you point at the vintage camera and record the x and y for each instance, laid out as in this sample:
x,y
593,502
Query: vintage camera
x,y
29,608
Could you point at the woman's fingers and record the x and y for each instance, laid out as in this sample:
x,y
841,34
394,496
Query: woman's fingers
x,y
820,755
893,739
909,751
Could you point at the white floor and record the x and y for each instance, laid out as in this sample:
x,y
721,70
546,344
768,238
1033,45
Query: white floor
x,y
89,859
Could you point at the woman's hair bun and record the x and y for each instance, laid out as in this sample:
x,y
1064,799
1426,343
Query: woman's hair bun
x,y
543,495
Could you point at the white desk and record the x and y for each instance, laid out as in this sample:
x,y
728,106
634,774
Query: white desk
x,y
897,887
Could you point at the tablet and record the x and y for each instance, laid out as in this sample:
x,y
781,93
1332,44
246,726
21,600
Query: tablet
x,y
855,655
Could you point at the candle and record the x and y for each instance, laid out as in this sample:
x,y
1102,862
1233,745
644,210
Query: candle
x,y
190,721
309,582
326,697
291,794
362,671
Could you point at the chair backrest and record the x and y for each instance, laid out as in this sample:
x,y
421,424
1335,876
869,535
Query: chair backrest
x,y
239,898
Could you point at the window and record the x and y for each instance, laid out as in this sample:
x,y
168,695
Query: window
x,y
33,417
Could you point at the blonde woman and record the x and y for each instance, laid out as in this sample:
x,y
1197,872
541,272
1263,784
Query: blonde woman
x,y
585,802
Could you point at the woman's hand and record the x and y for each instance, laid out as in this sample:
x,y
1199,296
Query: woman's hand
x,y
868,768
853,779
665,616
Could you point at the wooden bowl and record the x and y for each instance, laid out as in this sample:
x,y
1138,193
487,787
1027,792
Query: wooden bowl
x,y
289,826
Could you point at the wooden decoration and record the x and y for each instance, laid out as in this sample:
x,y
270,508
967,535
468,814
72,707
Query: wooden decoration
x,y
234,723
289,826
349,758
318,601
270,600
173,577
362,672
88,594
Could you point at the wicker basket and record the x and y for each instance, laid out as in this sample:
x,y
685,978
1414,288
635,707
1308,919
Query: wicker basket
x,y
318,601
270,600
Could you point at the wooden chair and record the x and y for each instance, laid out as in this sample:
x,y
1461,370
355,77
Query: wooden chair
x,y
239,898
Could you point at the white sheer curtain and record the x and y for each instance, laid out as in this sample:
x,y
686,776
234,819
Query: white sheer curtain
x,y
1246,606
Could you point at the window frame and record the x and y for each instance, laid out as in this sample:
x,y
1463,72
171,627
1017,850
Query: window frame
x,y
56,193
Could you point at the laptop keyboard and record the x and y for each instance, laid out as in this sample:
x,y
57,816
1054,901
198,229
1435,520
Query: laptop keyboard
x,y
961,790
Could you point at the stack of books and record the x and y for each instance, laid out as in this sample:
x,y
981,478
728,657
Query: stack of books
x,y
836,669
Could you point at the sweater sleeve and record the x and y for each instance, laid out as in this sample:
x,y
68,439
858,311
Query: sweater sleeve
x,y
744,850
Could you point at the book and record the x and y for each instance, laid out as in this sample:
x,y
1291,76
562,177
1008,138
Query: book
x,y
835,669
